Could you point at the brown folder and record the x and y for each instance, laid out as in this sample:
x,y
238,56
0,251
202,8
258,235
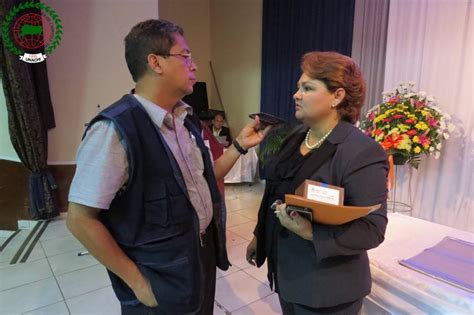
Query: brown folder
x,y
325,213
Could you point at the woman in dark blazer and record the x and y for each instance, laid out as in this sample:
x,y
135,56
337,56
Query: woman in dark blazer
x,y
317,268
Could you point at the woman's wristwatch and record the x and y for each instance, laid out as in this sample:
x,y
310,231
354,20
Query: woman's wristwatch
x,y
239,148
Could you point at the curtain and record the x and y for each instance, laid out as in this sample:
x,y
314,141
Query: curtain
x,y
290,29
369,44
30,114
430,42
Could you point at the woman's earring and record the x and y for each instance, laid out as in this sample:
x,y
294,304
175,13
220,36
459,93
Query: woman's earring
x,y
334,105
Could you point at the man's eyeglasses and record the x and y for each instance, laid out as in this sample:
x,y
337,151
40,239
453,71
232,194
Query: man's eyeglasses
x,y
187,57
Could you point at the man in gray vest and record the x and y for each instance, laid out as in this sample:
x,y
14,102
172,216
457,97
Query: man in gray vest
x,y
144,199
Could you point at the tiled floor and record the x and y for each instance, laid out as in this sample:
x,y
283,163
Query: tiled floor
x,y
57,281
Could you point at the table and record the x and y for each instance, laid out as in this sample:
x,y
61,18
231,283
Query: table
x,y
401,290
244,170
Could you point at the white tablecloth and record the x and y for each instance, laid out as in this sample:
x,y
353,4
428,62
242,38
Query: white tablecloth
x,y
244,170
401,290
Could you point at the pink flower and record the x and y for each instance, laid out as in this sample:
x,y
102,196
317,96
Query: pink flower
x,y
394,100
398,116
371,116
432,122
419,104
424,140
409,121
411,132
386,120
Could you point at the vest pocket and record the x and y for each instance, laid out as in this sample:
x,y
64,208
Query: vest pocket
x,y
156,212
175,285
156,206
166,205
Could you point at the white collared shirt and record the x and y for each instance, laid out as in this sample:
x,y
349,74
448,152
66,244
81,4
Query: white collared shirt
x,y
102,165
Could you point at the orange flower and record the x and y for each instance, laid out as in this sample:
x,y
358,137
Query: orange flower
x,y
392,141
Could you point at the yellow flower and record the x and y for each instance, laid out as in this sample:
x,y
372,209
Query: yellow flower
x,y
380,118
394,130
403,127
380,137
405,144
417,150
416,139
421,126
426,146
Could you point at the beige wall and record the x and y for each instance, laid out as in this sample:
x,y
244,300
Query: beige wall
x,y
236,45
194,17
228,33
88,67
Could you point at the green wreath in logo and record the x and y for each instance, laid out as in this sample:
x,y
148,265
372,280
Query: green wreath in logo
x,y
31,5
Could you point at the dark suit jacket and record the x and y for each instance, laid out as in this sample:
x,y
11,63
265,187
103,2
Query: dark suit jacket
x,y
225,132
333,268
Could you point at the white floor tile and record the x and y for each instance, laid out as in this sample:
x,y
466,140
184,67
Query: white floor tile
x,y
218,310
252,196
21,274
258,273
234,240
83,281
12,248
70,261
37,253
235,205
60,245
237,256
230,196
267,306
57,229
244,230
231,270
250,213
238,290
234,219
30,297
54,309
100,302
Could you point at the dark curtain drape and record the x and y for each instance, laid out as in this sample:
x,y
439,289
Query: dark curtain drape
x,y
290,29
30,115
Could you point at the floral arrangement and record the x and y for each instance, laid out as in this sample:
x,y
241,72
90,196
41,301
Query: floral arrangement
x,y
408,124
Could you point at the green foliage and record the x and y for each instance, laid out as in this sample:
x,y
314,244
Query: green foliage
x,y
273,143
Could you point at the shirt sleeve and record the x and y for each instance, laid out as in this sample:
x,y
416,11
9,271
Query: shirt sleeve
x,y
101,167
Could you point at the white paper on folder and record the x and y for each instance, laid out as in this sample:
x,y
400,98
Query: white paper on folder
x,y
323,194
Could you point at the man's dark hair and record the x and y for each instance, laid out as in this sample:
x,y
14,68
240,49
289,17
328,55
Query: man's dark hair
x,y
148,37
219,114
